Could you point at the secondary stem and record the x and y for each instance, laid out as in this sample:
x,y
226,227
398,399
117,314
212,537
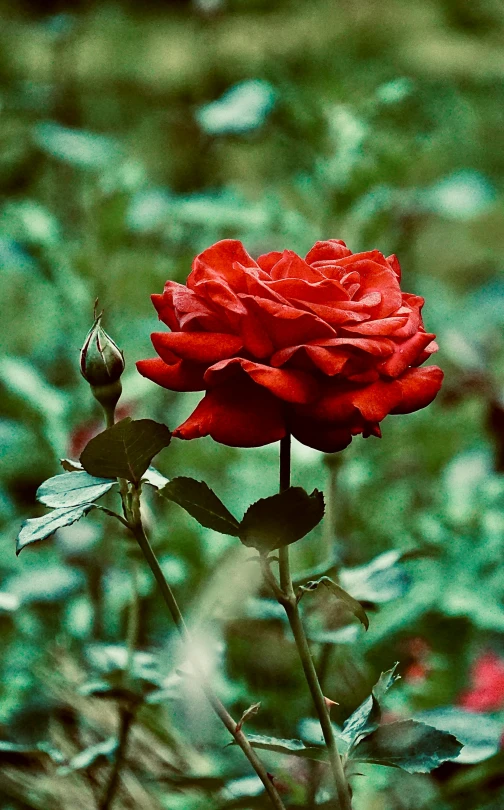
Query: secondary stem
x,y
126,712
291,607
137,529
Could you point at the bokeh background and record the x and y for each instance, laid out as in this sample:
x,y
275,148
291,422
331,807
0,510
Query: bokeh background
x,y
133,135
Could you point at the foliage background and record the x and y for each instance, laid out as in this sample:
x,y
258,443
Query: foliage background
x,y
381,124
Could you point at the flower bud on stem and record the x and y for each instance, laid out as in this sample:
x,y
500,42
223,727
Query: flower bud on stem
x,y
102,364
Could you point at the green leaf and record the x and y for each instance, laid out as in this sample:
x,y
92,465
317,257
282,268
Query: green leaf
x,y
479,733
71,466
73,489
352,604
202,503
415,747
125,450
281,519
155,478
35,529
295,748
366,718
28,755
379,581
84,759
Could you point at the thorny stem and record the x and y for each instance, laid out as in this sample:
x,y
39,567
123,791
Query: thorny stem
x,y
291,607
138,531
127,710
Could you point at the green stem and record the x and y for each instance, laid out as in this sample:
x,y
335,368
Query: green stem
x,y
126,719
291,607
138,531
126,713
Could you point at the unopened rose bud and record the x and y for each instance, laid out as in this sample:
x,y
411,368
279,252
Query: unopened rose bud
x,y
101,364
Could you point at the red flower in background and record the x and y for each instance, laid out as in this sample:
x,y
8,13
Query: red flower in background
x,y
324,347
487,685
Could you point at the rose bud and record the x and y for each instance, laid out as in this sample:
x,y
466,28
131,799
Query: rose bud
x,y
102,364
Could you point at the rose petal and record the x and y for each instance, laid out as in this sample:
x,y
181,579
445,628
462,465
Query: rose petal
x,y
268,260
287,384
330,249
239,414
181,376
380,347
419,386
393,261
222,261
406,353
285,325
201,347
293,266
384,326
320,436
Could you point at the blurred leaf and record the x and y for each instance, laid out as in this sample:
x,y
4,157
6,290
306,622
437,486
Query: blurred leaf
x,y
281,519
379,581
35,529
126,449
45,583
480,735
366,718
415,747
242,108
295,748
72,489
352,604
154,478
71,466
8,602
202,503
90,756
28,755
87,150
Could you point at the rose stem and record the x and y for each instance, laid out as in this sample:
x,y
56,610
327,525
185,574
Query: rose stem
x,y
127,713
138,531
291,607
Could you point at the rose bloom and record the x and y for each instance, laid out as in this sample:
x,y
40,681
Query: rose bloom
x,y
486,693
322,347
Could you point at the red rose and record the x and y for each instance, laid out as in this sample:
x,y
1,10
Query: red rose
x,y
487,685
324,347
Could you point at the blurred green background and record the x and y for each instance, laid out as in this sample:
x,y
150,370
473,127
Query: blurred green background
x,y
132,136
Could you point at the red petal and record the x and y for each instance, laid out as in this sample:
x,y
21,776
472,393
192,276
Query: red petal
x,y
419,386
394,263
200,347
376,401
384,326
165,310
320,436
268,260
331,249
181,376
288,326
289,385
221,261
379,347
406,354
293,266
237,413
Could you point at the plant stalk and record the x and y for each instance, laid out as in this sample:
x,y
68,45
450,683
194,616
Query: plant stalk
x,y
291,607
126,711
138,531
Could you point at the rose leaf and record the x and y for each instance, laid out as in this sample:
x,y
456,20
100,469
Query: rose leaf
x,y
281,519
202,503
126,449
